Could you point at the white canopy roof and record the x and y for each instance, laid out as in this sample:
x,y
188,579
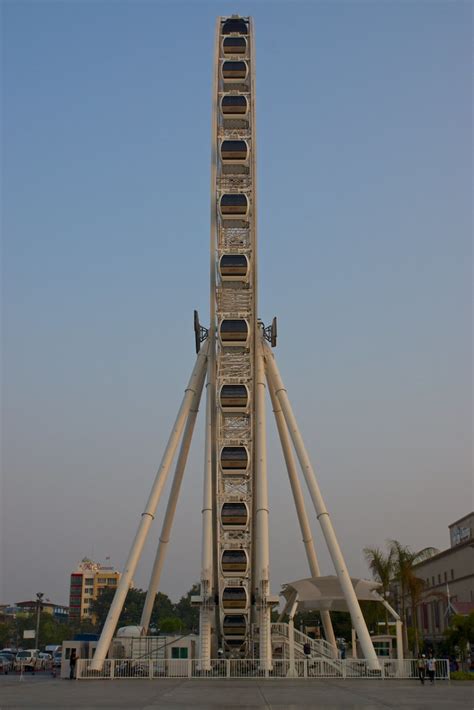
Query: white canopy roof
x,y
325,593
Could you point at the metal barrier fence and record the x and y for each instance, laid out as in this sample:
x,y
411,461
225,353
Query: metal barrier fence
x,y
243,668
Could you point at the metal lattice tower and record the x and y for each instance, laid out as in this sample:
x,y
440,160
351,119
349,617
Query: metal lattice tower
x,y
237,365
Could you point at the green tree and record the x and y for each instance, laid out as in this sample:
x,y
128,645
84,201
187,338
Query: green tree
x,y
132,608
162,608
381,565
131,611
7,633
460,633
171,624
405,560
188,614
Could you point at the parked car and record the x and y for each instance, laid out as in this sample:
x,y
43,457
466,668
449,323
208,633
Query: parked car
x,y
9,653
57,659
46,659
6,664
28,660
53,648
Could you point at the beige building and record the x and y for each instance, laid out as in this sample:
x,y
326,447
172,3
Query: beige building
x,y
87,582
449,581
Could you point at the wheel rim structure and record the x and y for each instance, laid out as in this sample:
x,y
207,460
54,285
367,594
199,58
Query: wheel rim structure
x,y
234,301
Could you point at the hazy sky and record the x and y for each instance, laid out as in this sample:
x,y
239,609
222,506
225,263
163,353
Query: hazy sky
x,y
365,180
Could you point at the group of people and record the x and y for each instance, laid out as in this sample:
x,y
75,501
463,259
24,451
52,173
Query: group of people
x,y
426,666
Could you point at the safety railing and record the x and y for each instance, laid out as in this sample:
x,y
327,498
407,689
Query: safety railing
x,y
350,668
318,647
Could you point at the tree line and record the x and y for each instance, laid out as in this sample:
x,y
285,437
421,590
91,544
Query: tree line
x,y
166,617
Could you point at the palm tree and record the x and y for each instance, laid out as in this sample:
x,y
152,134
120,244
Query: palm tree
x,y
381,565
404,561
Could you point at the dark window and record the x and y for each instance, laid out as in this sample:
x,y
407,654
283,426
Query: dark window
x,y
425,615
234,330
235,45
234,597
234,104
234,25
452,574
234,514
234,396
234,625
234,561
233,150
234,70
233,326
234,199
234,457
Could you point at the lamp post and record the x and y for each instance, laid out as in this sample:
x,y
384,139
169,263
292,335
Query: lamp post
x,y
39,599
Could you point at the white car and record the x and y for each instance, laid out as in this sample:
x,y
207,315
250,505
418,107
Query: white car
x,y
46,660
28,660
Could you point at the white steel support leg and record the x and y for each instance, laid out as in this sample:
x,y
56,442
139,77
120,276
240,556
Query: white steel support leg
x,y
205,613
262,554
148,514
291,638
398,631
171,507
300,509
342,572
354,643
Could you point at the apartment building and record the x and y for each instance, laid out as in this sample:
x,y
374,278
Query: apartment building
x,y
87,582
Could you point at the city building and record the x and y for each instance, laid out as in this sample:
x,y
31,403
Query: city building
x,y
87,582
58,611
448,581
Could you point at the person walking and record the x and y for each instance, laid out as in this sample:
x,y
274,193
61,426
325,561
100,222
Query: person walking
x,y
72,664
421,666
431,667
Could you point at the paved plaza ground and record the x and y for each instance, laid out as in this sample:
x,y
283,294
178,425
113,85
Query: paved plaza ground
x,y
44,692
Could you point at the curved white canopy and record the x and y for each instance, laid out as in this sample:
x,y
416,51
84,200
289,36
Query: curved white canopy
x,y
325,593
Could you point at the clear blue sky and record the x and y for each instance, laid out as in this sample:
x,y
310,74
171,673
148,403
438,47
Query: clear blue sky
x,y
365,181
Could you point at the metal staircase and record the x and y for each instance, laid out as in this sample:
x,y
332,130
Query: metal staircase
x,y
319,648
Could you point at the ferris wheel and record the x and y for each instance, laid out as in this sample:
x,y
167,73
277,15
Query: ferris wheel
x,y
236,365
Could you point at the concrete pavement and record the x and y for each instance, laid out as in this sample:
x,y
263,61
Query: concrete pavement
x,y
41,693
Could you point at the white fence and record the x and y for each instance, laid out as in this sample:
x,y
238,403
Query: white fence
x,y
243,668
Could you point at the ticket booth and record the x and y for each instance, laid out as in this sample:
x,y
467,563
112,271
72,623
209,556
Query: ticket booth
x,y
82,651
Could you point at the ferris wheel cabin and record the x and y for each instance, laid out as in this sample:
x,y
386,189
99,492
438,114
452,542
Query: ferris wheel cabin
x,y
234,332
234,459
234,71
234,106
234,151
234,561
235,25
234,626
234,45
233,267
234,598
234,398
234,515
234,205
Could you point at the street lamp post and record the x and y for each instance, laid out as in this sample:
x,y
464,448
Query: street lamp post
x,y
39,599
